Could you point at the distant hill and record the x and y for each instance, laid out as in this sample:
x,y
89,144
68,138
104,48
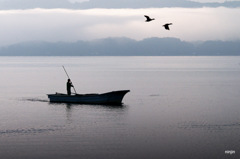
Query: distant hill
x,y
124,47
28,4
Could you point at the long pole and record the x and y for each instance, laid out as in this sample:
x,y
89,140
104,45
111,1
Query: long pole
x,y
69,78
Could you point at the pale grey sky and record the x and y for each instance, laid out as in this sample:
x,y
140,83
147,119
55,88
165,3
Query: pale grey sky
x,y
212,1
71,25
189,24
77,1
88,4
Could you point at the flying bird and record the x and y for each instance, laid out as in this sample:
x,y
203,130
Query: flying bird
x,y
166,26
148,18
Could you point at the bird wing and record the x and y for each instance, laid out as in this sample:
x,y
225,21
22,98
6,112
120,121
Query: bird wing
x,y
147,17
166,26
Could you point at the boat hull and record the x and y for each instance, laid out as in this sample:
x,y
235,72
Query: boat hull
x,y
114,97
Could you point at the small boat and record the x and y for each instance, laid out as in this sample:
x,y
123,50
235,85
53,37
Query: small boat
x,y
110,98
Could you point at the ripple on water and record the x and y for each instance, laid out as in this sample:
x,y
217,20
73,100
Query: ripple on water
x,y
209,127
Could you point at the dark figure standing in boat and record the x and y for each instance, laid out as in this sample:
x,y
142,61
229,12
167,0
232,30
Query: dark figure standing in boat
x,y
69,85
112,98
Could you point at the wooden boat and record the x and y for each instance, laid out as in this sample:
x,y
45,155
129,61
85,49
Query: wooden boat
x,y
113,98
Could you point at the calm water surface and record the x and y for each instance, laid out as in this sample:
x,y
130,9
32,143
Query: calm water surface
x,y
178,107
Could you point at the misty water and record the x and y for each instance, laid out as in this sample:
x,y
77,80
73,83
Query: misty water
x,y
177,107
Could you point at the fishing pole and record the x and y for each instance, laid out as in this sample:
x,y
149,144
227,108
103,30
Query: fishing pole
x,y
69,78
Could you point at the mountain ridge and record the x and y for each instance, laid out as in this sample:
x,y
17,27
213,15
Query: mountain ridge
x,y
124,47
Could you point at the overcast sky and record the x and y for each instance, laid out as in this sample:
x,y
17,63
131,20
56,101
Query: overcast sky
x,y
220,1
189,24
23,4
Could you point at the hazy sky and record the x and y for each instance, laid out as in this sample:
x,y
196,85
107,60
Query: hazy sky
x,y
220,1
190,24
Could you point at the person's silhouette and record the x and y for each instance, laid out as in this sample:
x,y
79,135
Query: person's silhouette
x,y
69,85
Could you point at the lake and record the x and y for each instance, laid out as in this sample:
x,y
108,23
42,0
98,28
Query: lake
x,y
177,107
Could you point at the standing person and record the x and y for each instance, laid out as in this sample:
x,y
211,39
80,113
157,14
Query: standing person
x,y
69,85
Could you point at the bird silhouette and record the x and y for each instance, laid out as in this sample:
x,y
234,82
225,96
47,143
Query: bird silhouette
x,y
148,18
166,26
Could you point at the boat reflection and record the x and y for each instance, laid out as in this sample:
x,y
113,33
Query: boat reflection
x,y
94,106
85,111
